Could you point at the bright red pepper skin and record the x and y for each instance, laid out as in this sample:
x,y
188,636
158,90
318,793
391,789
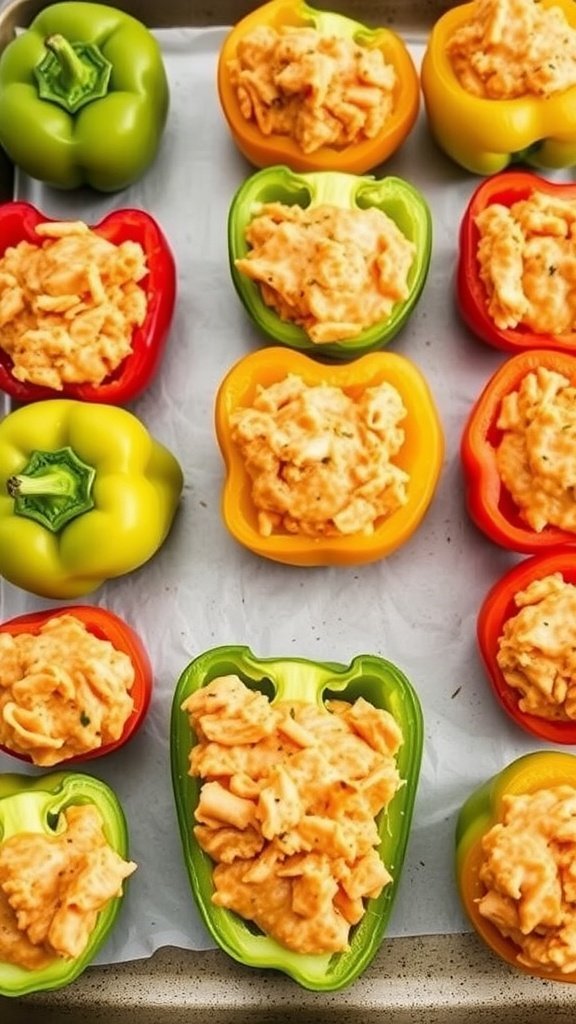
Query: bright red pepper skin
x,y
106,626
18,222
498,606
489,504
507,188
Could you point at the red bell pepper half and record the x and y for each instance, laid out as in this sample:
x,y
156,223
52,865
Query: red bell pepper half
x,y
472,298
489,503
499,606
18,222
105,625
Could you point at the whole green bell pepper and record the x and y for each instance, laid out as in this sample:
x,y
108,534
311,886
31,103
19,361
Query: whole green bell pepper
x,y
401,201
299,680
29,804
85,494
83,97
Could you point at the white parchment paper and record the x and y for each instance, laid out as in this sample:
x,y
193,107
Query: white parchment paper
x,y
418,608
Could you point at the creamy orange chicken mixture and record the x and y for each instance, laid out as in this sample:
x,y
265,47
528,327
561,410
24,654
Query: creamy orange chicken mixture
x,y
512,48
287,808
537,648
70,304
536,457
529,873
527,259
320,90
332,271
63,691
319,460
52,888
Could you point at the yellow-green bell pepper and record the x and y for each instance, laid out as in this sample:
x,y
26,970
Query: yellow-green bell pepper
x,y
86,494
486,135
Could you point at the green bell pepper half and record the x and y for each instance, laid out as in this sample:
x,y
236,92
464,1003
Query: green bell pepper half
x,y
83,97
284,679
401,201
86,494
34,804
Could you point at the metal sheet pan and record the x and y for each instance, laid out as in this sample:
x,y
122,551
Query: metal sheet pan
x,y
443,978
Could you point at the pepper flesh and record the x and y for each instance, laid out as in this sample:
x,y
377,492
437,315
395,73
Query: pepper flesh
x,y
263,151
506,189
483,809
105,625
18,222
421,454
383,685
110,141
489,504
484,135
403,203
137,486
29,804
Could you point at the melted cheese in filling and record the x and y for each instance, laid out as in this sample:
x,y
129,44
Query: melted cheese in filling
x,y
536,458
318,90
529,873
287,808
513,48
52,888
321,462
334,272
537,649
527,259
63,691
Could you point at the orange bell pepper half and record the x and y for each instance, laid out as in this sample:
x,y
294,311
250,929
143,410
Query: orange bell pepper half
x,y
499,606
420,456
266,150
490,505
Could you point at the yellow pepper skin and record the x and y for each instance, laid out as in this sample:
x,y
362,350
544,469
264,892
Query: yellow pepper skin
x,y
86,494
484,135
420,456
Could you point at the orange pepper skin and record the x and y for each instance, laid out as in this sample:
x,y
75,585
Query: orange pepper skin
x,y
482,810
497,607
489,503
420,456
484,135
265,150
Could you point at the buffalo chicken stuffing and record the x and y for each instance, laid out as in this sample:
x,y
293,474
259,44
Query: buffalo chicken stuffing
x,y
320,460
332,271
320,90
537,648
63,691
536,456
514,48
52,888
70,304
527,259
288,801
529,875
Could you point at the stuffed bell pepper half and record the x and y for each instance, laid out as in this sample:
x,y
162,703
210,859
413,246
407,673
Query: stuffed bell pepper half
x,y
499,84
326,465
86,494
84,311
515,852
63,865
315,90
83,97
295,783
75,683
329,263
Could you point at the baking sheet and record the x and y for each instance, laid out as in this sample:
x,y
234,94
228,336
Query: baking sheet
x,y
418,608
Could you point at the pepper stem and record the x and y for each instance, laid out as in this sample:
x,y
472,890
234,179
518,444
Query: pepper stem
x,y
24,812
54,488
72,74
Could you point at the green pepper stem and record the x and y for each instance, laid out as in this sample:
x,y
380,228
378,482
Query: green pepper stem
x,y
334,189
24,812
331,24
72,74
296,680
73,71
53,488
